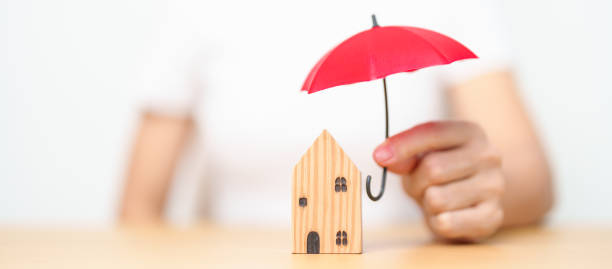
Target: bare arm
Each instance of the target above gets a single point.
(492, 102)
(157, 147)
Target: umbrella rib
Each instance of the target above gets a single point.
(370, 60)
(434, 48)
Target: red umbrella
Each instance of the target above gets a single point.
(379, 52)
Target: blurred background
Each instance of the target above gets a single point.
(68, 93)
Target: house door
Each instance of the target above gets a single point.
(312, 243)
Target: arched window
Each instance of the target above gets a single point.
(341, 238)
(340, 184)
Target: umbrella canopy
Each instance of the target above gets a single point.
(382, 51)
(379, 52)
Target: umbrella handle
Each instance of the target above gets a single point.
(384, 175)
(382, 186)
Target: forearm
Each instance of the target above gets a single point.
(529, 189)
(155, 152)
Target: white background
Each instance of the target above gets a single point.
(67, 111)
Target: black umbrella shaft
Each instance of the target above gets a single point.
(384, 175)
(386, 109)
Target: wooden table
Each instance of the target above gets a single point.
(213, 246)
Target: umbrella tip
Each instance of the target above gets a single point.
(374, 22)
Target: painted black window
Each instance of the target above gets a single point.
(341, 238)
(340, 184)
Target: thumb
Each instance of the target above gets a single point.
(386, 156)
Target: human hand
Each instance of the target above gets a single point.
(453, 173)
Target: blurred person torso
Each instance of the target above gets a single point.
(237, 68)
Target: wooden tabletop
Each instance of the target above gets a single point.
(214, 246)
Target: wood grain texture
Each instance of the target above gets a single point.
(327, 211)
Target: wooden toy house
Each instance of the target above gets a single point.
(326, 200)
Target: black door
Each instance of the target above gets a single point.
(312, 245)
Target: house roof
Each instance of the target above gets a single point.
(326, 145)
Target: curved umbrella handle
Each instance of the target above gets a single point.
(384, 175)
(382, 186)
